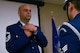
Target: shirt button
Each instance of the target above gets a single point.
(32, 47)
(17, 36)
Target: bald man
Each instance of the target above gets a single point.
(24, 37)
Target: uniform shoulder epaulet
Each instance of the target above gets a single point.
(73, 29)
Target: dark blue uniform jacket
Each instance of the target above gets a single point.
(69, 41)
(18, 42)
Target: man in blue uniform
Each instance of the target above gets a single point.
(69, 32)
(24, 37)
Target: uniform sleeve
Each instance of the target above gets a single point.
(15, 42)
(69, 42)
(41, 39)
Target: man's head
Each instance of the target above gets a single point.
(75, 2)
(24, 12)
(72, 7)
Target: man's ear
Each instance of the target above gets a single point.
(71, 6)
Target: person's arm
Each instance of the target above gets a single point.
(40, 38)
(15, 42)
(69, 42)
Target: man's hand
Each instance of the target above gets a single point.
(29, 28)
(28, 33)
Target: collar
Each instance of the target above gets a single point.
(22, 23)
(77, 16)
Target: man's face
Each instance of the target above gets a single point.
(25, 12)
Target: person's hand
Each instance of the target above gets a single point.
(28, 33)
(30, 27)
